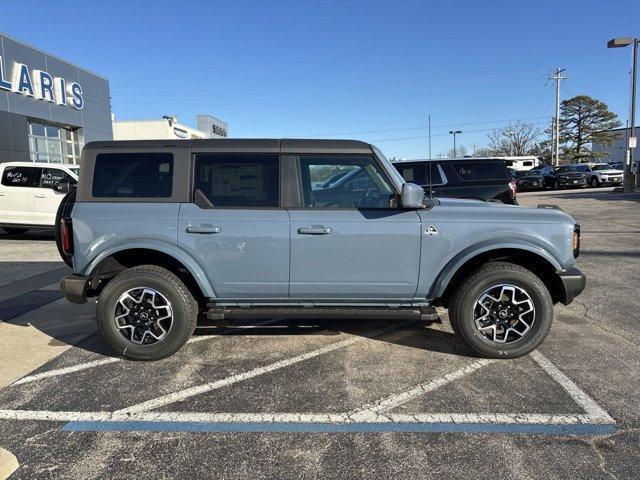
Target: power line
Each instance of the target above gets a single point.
(444, 134)
(416, 128)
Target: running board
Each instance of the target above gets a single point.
(427, 314)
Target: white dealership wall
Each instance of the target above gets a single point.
(169, 128)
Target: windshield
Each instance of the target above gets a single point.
(579, 168)
(602, 166)
(527, 173)
(392, 171)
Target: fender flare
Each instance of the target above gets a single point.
(164, 247)
(452, 267)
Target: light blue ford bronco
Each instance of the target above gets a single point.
(165, 232)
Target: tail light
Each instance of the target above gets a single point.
(576, 241)
(66, 235)
(513, 188)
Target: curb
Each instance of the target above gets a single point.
(8, 463)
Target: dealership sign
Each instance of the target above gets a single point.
(41, 85)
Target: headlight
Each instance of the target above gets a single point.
(576, 241)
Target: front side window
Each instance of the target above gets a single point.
(361, 183)
(228, 180)
(135, 175)
(420, 173)
(52, 177)
(19, 176)
(472, 171)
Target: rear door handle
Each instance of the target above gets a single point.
(39, 195)
(315, 230)
(204, 229)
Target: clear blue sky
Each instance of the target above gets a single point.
(330, 68)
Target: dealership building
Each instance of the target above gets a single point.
(49, 107)
(168, 128)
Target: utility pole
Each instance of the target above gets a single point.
(556, 142)
(454, 133)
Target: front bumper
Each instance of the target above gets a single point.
(573, 283)
(74, 288)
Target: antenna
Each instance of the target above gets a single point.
(429, 127)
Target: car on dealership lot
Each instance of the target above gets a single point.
(479, 178)
(569, 177)
(548, 175)
(30, 193)
(599, 174)
(164, 232)
(527, 180)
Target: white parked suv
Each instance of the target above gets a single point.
(599, 174)
(31, 192)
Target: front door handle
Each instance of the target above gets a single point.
(204, 229)
(39, 195)
(315, 230)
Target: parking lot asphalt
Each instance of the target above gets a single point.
(327, 399)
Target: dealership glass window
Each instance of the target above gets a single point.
(238, 180)
(52, 144)
(135, 175)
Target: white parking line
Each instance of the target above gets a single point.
(57, 372)
(207, 387)
(576, 393)
(64, 371)
(397, 399)
(193, 417)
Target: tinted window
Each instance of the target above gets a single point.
(19, 176)
(136, 175)
(579, 168)
(51, 177)
(361, 185)
(470, 171)
(238, 180)
(419, 173)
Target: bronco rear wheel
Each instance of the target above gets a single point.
(502, 310)
(146, 313)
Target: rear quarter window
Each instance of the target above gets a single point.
(133, 175)
(478, 171)
(14, 176)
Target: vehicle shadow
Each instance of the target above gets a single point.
(40, 234)
(417, 334)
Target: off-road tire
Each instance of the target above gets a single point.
(15, 230)
(463, 300)
(64, 211)
(184, 306)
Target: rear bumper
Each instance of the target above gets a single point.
(573, 282)
(74, 288)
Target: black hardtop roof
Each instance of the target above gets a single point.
(283, 145)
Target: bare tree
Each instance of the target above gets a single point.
(516, 139)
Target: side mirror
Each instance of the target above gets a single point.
(63, 187)
(412, 196)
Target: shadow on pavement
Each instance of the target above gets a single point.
(40, 234)
(414, 335)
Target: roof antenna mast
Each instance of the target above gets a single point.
(429, 128)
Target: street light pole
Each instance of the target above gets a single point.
(454, 133)
(629, 180)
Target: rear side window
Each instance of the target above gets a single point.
(134, 175)
(238, 180)
(473, 171)
(420, 173)
(20, 176)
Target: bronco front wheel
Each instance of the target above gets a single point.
(502, 310)
(146, 313)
